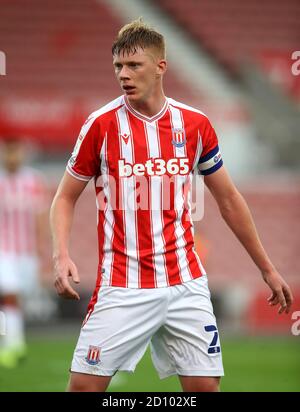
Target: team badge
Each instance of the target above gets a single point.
(179, 139)
(93, 356)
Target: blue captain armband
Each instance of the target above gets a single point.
(211, 162)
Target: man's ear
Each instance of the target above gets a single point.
(161, 67)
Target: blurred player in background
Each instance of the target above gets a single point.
(151, 285)
(23, 226)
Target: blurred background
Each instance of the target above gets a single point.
(235, 61)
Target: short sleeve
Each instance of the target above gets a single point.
(84, 163)
(210, 159)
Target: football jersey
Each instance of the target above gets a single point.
(142, 169)
(22, 197)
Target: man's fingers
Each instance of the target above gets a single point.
(272, 297)
(274, 300)
(288, 297)
(74, 274)
(71, 295)
(64, 289)
(282, 309)
(282, 301)
(58, 285)
(281, 293)
(285, 299)
(68, 292)
(64, 270)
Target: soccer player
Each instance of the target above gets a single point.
(23, 223)
(142, 150)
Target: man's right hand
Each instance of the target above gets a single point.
(63, 269)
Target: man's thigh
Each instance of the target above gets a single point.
(80, 382)
(188, 343)
(118, 331)
(200, 383)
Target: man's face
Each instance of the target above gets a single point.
(13, 156)
(139, 74)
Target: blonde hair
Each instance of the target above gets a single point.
(138, 34)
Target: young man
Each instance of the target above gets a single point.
(151, 285)
(23, 223)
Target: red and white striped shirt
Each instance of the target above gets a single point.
(22, 196)
(145, 232)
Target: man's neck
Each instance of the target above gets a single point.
(149, 107)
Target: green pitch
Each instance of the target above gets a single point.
(260, 364)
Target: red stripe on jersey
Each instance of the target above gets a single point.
(94, 298)
(100, 229)
(187, 225)
(169, 216)
(144, 226)
(186, 221)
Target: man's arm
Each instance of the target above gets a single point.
(236, 213)
(61, 216)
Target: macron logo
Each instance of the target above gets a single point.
(125, 137)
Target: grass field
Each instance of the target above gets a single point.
(260, 364)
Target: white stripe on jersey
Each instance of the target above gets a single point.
(156, 208)
(198, 151)
(177, 123)
(129, 201)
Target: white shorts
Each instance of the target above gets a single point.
(178, 322)
(18, 274)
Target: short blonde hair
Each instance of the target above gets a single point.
(138, 34)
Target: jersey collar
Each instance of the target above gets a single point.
(142, 116)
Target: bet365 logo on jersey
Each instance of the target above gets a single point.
(155, 167)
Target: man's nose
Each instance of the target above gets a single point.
(123, 74)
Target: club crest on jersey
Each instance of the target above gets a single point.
(93, 356)
(179, 139)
